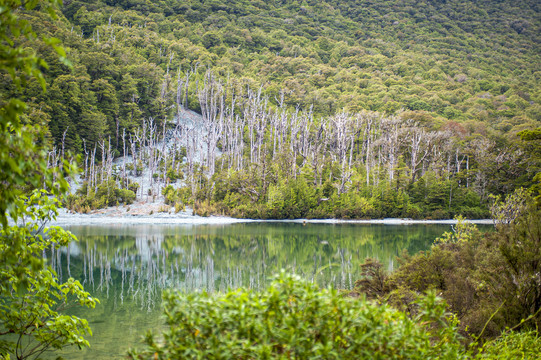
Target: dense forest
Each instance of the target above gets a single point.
(349, 109)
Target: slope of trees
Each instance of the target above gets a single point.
(464, 61)
(407, 107)
(249, 158)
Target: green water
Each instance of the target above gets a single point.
(127, 267)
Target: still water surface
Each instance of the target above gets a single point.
(128, 267)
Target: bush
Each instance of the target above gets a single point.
(491, 281)
(133, 186)
(204, 209)
(173, 175)
(513, 345)
(439, 214)
(107, 194)
(170, 195)
(179, 207)
(124, 196)
(293, 319)
(414, 211)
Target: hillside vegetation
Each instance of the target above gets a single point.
(344, 108)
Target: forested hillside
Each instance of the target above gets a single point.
(308, 109)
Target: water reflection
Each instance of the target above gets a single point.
(128, 267)
(138, 262)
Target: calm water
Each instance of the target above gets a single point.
(127, 267)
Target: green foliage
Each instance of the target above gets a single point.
(294, 319)
(530, 135)
(31, 298)
(326, 56)
(16, 60)
(532, 138)
(433, 60)
(172, 196)
(22, 158)
(512, 345)
(243, 195)
(124, 196)
(173, 175)
(291, 200)
(506, 211)
(490, 281)
(463, 231)
(106, 194)
(373, 279)
(133, 187)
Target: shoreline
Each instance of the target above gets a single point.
(184, 218)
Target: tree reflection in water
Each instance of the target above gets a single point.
(138, 262)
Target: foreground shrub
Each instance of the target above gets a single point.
(32, 298)
(514, 345)
(490, 281)
(292, 319)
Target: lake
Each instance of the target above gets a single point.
(128, 266)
